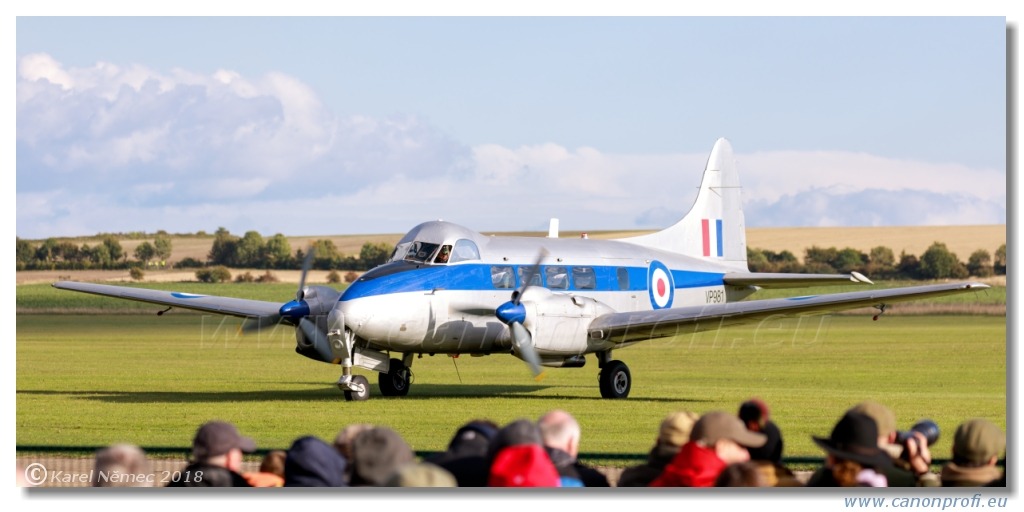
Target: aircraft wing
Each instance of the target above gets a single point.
(206, 303)
(631, 327)
(771, 280)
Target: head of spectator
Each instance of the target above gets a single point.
(515, 433)
(757, 418)
(726, 435)
(343, 441)
(217, 450)
(853, 455)
(378, 454)
(311, 462)
(423, 474)
(472, 439)
(741, 474)
(560, 431)
(523, 465)
(977, 445)
(885, 421)
(218, 443)
(122, 465)
(271, 473)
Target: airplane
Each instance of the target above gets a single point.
(548, 301)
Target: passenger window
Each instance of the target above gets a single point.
(443, 255)
(501, 277)
(533, 273)
(465, 250)
(583, 278)
(623, 275)
(557, 278)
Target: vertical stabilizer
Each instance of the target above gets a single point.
(713, 229)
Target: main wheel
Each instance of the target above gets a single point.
(615, 380)
(359, 397)
(396, 381)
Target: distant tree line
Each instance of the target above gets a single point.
(52, 254)
(937, 262)
(251, 250)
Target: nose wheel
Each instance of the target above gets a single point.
(615, 380)
(356, 389)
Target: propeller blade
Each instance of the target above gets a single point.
(317, 338)
(528, 276)
(307, 263)
(524, 344)
(252, 323)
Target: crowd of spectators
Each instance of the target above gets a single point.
(718, 448)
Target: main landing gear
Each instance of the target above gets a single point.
(614, 378)
(395, 381)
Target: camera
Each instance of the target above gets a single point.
(928, 428)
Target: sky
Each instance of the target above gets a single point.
(341, 125)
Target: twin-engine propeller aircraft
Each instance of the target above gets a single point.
(548, 301)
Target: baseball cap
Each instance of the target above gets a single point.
(717, 425)
(675, 428)
(217, 438)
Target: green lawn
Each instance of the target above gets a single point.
(99, 379)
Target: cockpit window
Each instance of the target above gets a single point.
(420, 251)
(400, 250)
(443, 255)
(465, 250)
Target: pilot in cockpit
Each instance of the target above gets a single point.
(443, 254)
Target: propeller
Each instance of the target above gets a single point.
(513, 314)
(293, 309)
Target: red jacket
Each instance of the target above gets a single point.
(693, 466)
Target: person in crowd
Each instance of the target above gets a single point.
(466, 456)
(977, 445)
(517, 458)
(757, 418)
(122, 465)
(271, 473)
(911, 461)
(561, 434)
(853, 458)
(717, 440)
(378, 454)
(423, 474)
(672, 435)
(343, 444)
(310, 462)
(217, 450)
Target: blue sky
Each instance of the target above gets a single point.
(350, 125)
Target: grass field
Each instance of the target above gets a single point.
(99, 379)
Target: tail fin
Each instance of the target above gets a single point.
(713, 229)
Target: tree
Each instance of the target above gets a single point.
(999, 265)
(372, 255)
(980, 263)
(47, 251)
(249, 250)
(326, 256)
(223, 250)
(757, 261)
(820, 258)
(145, 252)
(939, 263)
(277, 252)
(849, 260)
(217, 274)
(113, 248)
(162, 245)
(136, 274)
(26, 252)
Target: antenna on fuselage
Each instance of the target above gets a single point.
(553, 228)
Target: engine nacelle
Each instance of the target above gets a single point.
(320, 300)
(559, 322)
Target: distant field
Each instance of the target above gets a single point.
(962, 240)
(99, 379)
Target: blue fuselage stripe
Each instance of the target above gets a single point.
(477, 277)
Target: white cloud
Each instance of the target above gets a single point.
(134, 149)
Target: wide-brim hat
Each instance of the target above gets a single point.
(855, 438)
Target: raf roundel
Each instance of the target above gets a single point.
(660, 286)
